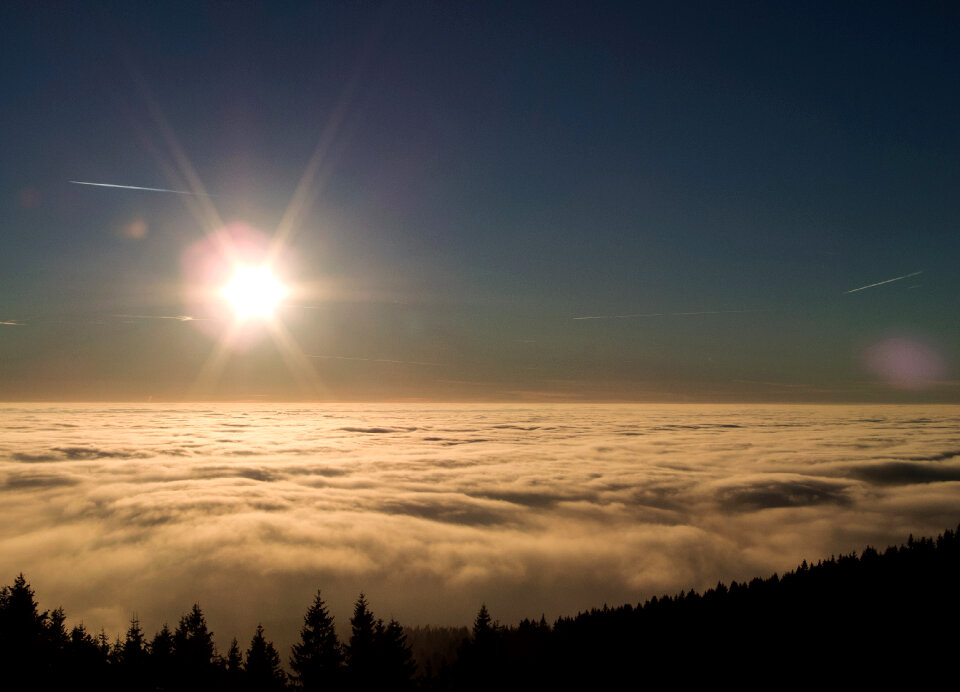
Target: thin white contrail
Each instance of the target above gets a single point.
(373, 360)
(665, 314)
(881, 283)
(180, 318)
(143, 189)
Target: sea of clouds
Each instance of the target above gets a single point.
(113, 511)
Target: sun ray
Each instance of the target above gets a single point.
(205, 383)
(251, 300)
(313, 178)
(297, 361)
(320, 165)
(182, 173)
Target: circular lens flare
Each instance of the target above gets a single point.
(253, 292)
(906, 362)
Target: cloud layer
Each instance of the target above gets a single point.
(433, 509)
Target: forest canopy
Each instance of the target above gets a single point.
(871, 616)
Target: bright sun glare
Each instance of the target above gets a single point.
(253, 292)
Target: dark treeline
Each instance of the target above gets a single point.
(38, 653)
(876, 618)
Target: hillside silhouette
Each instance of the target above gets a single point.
(885, 618)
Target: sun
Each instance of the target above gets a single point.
(253, 292)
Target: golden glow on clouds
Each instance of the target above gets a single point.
(432, 510)
(253, 292)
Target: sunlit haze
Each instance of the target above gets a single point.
(431, 510)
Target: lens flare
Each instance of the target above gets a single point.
(905, 362)
(253, 292)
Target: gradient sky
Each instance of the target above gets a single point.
(709, 181)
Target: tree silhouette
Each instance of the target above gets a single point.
(84, 660)
(378, 656)
(395, 665)
(161, 657)
(480, 662)
(262, 666)
(33, 644)
(116, 653)
(194, 655)
(22, 626)
(884, 610)
(134, 644)
(56, 647)
(234, 674)
(483, 624)
(56, 633)
(361, 651)
(134, 660)
(317, 659)
(161, 646)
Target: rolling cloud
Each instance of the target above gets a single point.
(431, 510)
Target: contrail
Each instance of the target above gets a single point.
(373, 360)
(881, 283)
(179, 318)
(665, 314)
(142, 189)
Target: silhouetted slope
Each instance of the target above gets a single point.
(874, 619)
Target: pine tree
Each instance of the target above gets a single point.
(116, 653)
(134, 644)
(54, 648)
(480, 661)
(161, 647)
(395, 665)
(482, 625)
(193, 654)
(134, 659)
(361, 654)
(103, 643)
(160, 651)
(234, 672)
(56, 632)
(79, 637)
(317, 659)
(263, 670)
(192, 641)
(23, 628)
(84, 660)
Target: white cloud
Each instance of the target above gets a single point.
(111, 510)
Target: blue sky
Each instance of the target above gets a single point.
(487, 173)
